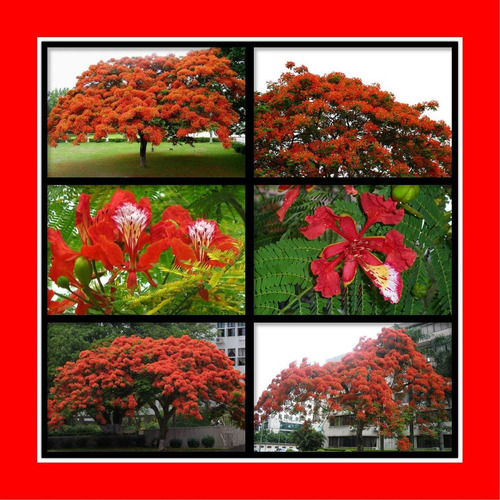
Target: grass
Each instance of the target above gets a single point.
(121, 159)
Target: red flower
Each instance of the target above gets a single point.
(351, 190)
(193, 241)
(289, 198)
(357, 249)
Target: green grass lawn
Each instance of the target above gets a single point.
(121, 159)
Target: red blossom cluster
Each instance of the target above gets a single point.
(357, 249)
(117, 238)
(333, 126)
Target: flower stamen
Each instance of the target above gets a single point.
(131, 221)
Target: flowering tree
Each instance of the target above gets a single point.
(311, 243)
(125, 259)
(150, 98)
(333, 126)
(172, 375)
(384, 383)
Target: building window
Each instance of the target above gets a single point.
(220, 325)
(241, 361)
(220, 333)
(241, 324)
(241, 351)
(342, 420)
(230, 332)
(241, 332)
(231, 353)
(231, 324)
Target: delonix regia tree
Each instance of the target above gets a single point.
(308, 125)
(149, 99)
(170, 376)
(384, 383)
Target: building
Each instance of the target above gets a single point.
(231, 339)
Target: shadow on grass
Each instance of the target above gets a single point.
(122, 160)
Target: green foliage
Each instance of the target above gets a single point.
(78, 430)
(175, 443)
(193, 443)
(284, 283)
(208, 441)
(53, 97)
(306, 438)
(178, 289)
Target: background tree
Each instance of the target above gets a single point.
(53, 97)
(333, 126)
(237, 56)
(150, 98)
(306, 438)
(173, 375)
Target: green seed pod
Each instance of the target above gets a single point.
(419, 290)
(404, 194)
(63, 282)
(83, 270)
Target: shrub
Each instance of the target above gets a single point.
(193, 443)
(175, 443)
(208, 441)
(238, 147)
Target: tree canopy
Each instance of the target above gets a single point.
(149, 99)
(308, 125)
(172, 375)
(385, 383)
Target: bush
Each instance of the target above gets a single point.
(77, 430)
(208, 441)
(176, 443)
(238, 147)
(193, 443)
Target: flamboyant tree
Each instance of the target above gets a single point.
(384, 383)
(150, 98)
(308, 125)
(170, 376)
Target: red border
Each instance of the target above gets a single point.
(476, 477)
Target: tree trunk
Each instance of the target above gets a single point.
(142, 151)
(382, 443)
(359, 436)
(412, 433)
(162, 442)
(441, 436)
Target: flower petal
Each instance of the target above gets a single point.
(323, 219)
(386, 279)
(183, 253)
(328, 281)
(289, 198)
(349, 272)
(83, 220)
(378, 209)
(398, 256)
(334, 249)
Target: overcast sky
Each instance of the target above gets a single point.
(277, 345)
(66, 64)
(412, 75)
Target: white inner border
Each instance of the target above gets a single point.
(457, 150)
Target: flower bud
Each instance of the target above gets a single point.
(419, 290)
(63, 282)
(405, 194)
(83, 270)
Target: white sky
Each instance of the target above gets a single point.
(66, 64)
(413, 75)
(277, 345)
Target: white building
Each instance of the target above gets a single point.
(231, 339)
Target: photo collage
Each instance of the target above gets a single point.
(194, 306)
